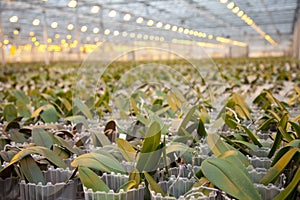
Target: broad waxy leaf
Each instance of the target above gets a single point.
(186, 120)
(10, 112)
(229, 178)
(91, 180)
(82, 107)
(99, 160)
(127, 186)
(47, 112)
(43, 151)
(42, 138)
(252, 136)
(154, 186)
(135, 175)
(126, 150)
(99, 138)
(275, 171)
(31, 170)
(217, 145)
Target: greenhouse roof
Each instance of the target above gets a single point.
(240, 22)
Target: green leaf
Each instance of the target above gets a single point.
(99, 139)
(47, 112)
(126, 150)
(31, 170)
(135, 175)
(152, 138)
(290, 188)
(201, 129)
(127, 186)
(266, 124)
(252, 136)
(229, 178)
(186, 120)
(178, 147)
(42, 138)
(10, 112)
(75, 119)
(61, 142)
(99, 160)
(91, 180)
(21, 96)
(154, 186)
(275, 145)
(82, 107)
(249, 145)
(16, 136)
(296, 127)
(43, 151)
(275, 171)
(149, 161)
(217, 145)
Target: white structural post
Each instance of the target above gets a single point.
(45, 34)
(296, 40)
(1, 38)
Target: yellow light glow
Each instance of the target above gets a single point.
(127, 17)
(63, 41)
(36, 22)
(70, 27)
(159, 25)
(96, 30)
(96, 39)
(156, 38)
(139, 20)
(195, 33)
(150, 22)
(240, 14)
(36, 43)
(31, 33)
(180, 29)
(69, 37)
(49, 40)
(210, 36)
(124, 34)
(191, 32)
(54, 25)
(139, 36)
(167, 26)
(245, 17)
(116, 33)
(112, 13)
(72, 4)
(14, 19)
(174, 28)
(146, 37)
(132, 35)
(57, 36)
(16, 32)
(6, 41)
(161, 39)
(33, 39)
(95, 9)
(235, 9)
(250, 22)
(106, 32)
(83, 29)
(151, 37)
(65, 45)
(230, 5)
(223, 1)
(186, 31)
(88, 39)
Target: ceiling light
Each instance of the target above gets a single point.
(116, 33)
(240, 13)
(69, 37)
(139, 20)
(96, 30)
(72, 4)
(31, 33)
(112, 13)
(107, 32)
(83, 29)
(124, 34)
(150, 22)
(70, 27)
(159, 25)
(180, 29)
(139, 36)
(132, 35)
(33, 39)
(230, 5)
(14, 19)
(49, 40)
(223, 1)
(57, 36)
(174, 28)
(127, 17)
(145, 37)
(16, 32)
(235, 9)
(95, 9)
(36, 22)
(167, 26)
(186, 31)
(54, 25)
